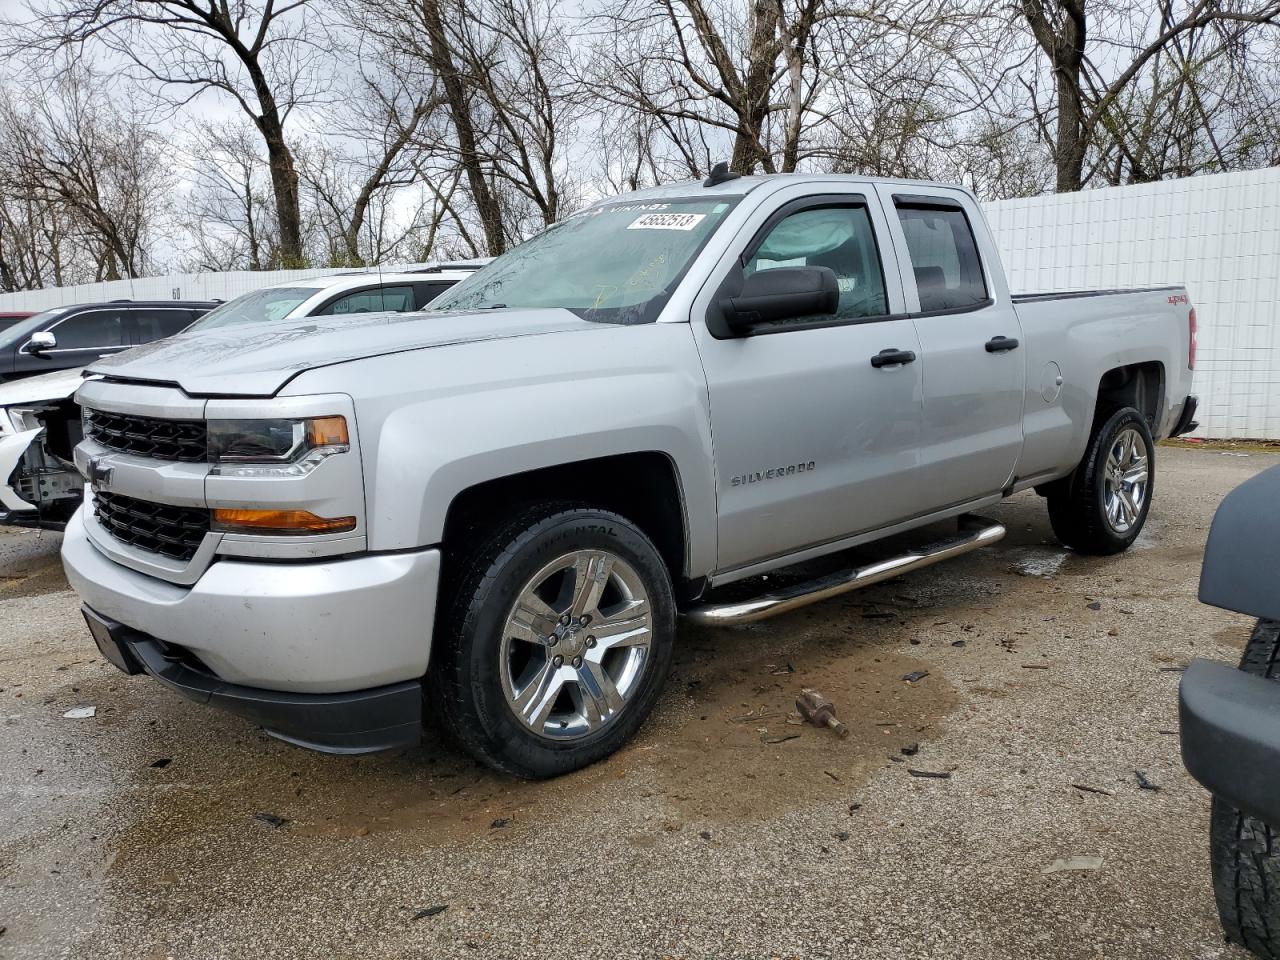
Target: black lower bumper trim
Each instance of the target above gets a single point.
(1231, 736)
(1187, 420)
(363, 721)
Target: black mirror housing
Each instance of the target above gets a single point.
(783, 293)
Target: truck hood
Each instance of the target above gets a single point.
(258, 359)
(58, 385)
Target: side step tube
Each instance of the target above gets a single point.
(974, 532)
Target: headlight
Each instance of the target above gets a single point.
(275, 448)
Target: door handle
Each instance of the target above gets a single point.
(892, 358)
(996, 344)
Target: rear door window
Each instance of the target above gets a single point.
(90, 330)
(944, 257)
(156, 324)
(398, 299)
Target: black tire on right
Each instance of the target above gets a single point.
(1245, 851)
(1077, 510)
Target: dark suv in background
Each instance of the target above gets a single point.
(67, 337)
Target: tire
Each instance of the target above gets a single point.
(1096, 511)
(494, 681)
(1245, 851)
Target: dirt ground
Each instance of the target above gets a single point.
(726, 829)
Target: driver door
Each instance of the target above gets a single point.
(812, 442)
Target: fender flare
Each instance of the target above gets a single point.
(1241, 569)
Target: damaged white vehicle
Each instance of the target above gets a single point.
(39, 428)
(39, 484)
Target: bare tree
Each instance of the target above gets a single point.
(268, 57)
(1089, 88)
(361, 168)
(73, 151)
(229, 213)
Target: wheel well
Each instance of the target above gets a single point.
(1138, 385)
(643, 487)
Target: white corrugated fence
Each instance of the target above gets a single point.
(1219, 235)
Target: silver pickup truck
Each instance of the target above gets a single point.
(495, 509)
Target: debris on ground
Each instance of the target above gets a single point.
(911, 749)
(1088, 789)
(161, 763)
(785, 668)
(957, 643)
(1095, 605)
(431, 911)
(271, 819)
(782, 738)
(915, 676)
(819, 711)
(930, 774)
(705, 834)
(1144, 783)
(1073, 863)
(1035, 666)
(499, 823)
(80, 713)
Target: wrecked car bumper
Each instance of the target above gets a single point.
(1231, 736)
(12, 449)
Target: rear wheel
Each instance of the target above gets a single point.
(1245, 851)
(1101, 508)
(557, 641)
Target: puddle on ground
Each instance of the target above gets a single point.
(725, 745)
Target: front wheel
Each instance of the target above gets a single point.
(557, 641)
(1102, 507)
(1245, 851)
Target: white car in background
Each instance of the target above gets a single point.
(39, 486)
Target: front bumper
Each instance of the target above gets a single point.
(328, 626)
(1231, 736)
(357, 722)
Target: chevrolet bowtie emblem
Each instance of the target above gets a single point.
(95, 472)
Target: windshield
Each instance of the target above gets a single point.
(270, 303)
(616, 263)
(24, 328)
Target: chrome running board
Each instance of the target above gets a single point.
(974, 532)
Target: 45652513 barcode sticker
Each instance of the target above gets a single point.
(667, 221)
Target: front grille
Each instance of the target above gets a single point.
(156, 527)
(182, 440)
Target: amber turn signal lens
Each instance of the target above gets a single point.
(280, 521)
(328, 431)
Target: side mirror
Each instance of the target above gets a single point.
(40, 342)
(783, 293)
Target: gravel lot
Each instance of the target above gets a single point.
(134, 833)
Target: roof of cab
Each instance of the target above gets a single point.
(741, 186)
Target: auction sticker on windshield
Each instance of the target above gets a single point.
(667, 221)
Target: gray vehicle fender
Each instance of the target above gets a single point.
(1241, 569)
(434, 423)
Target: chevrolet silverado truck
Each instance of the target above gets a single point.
(495, 510)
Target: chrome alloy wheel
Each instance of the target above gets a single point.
(575, 644)
(1127, 474)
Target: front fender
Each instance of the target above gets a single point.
(1241, 570)
(435, 423)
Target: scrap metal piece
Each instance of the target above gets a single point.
(819, 711)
